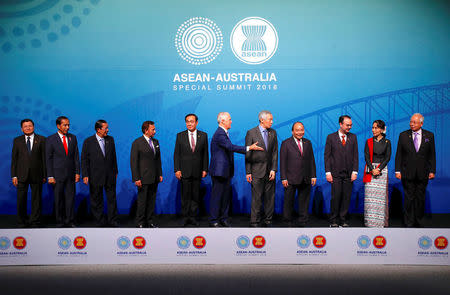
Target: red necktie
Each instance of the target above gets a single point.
(343, 140)
(300, 147)
(65, 145)
(192, 142)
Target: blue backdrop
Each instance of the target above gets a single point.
(119, 60)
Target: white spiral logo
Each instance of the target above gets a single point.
(199, 40)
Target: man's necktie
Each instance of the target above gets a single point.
(416, 141)
(102, 145)
(150, 142)
(343, 140)
(300, 147)
(265, 137)
(66, 148)
(192, 142)
(28, 145)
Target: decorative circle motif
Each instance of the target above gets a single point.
(64, 242)
(139, 242)
(183, 242)
(80, 242)
(441, 242)
(5, 243)
(123, 243)
(259, 242)
(425, 242)
(243, 242)
(199, 242)
(20, 243)
(319, 241)
(199, 40)
(364, 242)
(379, 242)
(303, 241)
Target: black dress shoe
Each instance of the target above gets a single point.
(140, 226)
(72, 225)
(215, 224)
(268, 224)
(225, 223)
(152, 225)
(334, 225)
(195, 222)
(345, 224)
(254, 225)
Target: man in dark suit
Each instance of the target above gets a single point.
(190, 160)
(415, 164)
(260, 167)
(99, 167)
(221, 170)
(146, 171)
(28, 169)
(63, 170)
(341, 167)
(298, 173)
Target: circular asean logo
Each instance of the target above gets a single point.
(139, 242)
(243, 242)
(441, 242)
(425, 242)
(183, 242)
(5, 243)
(199, 40)
(254, 40)
(64, 242)
(259, 242)
(199, 242)
(80, 242)
(319, 241)
(19, 243)
(379, 242)
(123, 243)
(303, 241)
(363, 242)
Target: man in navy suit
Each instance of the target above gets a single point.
(221, 170)
(415, 164)
(99, 167)
(28, 169)
(63, 170)
(341, 167)
(298, 173)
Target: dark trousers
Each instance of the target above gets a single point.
(64, 191)
(414, 201)
(341, 192)
(96, 197)
(219, 203)
(303, 192)
(146, 199)
(190, 197)
(263, 192)
(36, 201)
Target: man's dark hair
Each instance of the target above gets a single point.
(296, 123)
(60, 118)
(99, 124)
(188, 115)
(146, 124)
(341, 118)
(24, 121)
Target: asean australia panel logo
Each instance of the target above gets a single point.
(199, 40)
(254, 40)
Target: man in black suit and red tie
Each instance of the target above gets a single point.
(63, 171)
(190, 160)
(415, 164)
(28, 169)
(341, 168)
(99, 167)
(146, 171)
(298, 174)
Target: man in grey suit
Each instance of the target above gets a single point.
(261, 167)
(146, 172)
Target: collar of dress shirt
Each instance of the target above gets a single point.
(61, 135)
(342, 134)
(419, 132)
(226, 131)
(194, 132)
(98, 137)
(297, 140)
(147, 138)
(31, 137)
(261, 129)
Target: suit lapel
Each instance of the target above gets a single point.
(99, 149)
(411, 140)
(295, 146)
(422, 141)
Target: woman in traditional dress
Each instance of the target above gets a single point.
(377, 154)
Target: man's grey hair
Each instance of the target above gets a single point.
(263, 115)
(221, 116)
(421, 118)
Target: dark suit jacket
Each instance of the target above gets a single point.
(411, 163)
(294, 167)
(28, 167)
(100, 169)
(191, 164)
(338, 158)
(222, 154)
(59, 165)
(145, 165)
(260, 163)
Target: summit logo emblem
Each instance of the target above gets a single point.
(254, 40)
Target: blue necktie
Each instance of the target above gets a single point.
(265, 137)
(28, 145)
(150, 142)
(102, 145)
